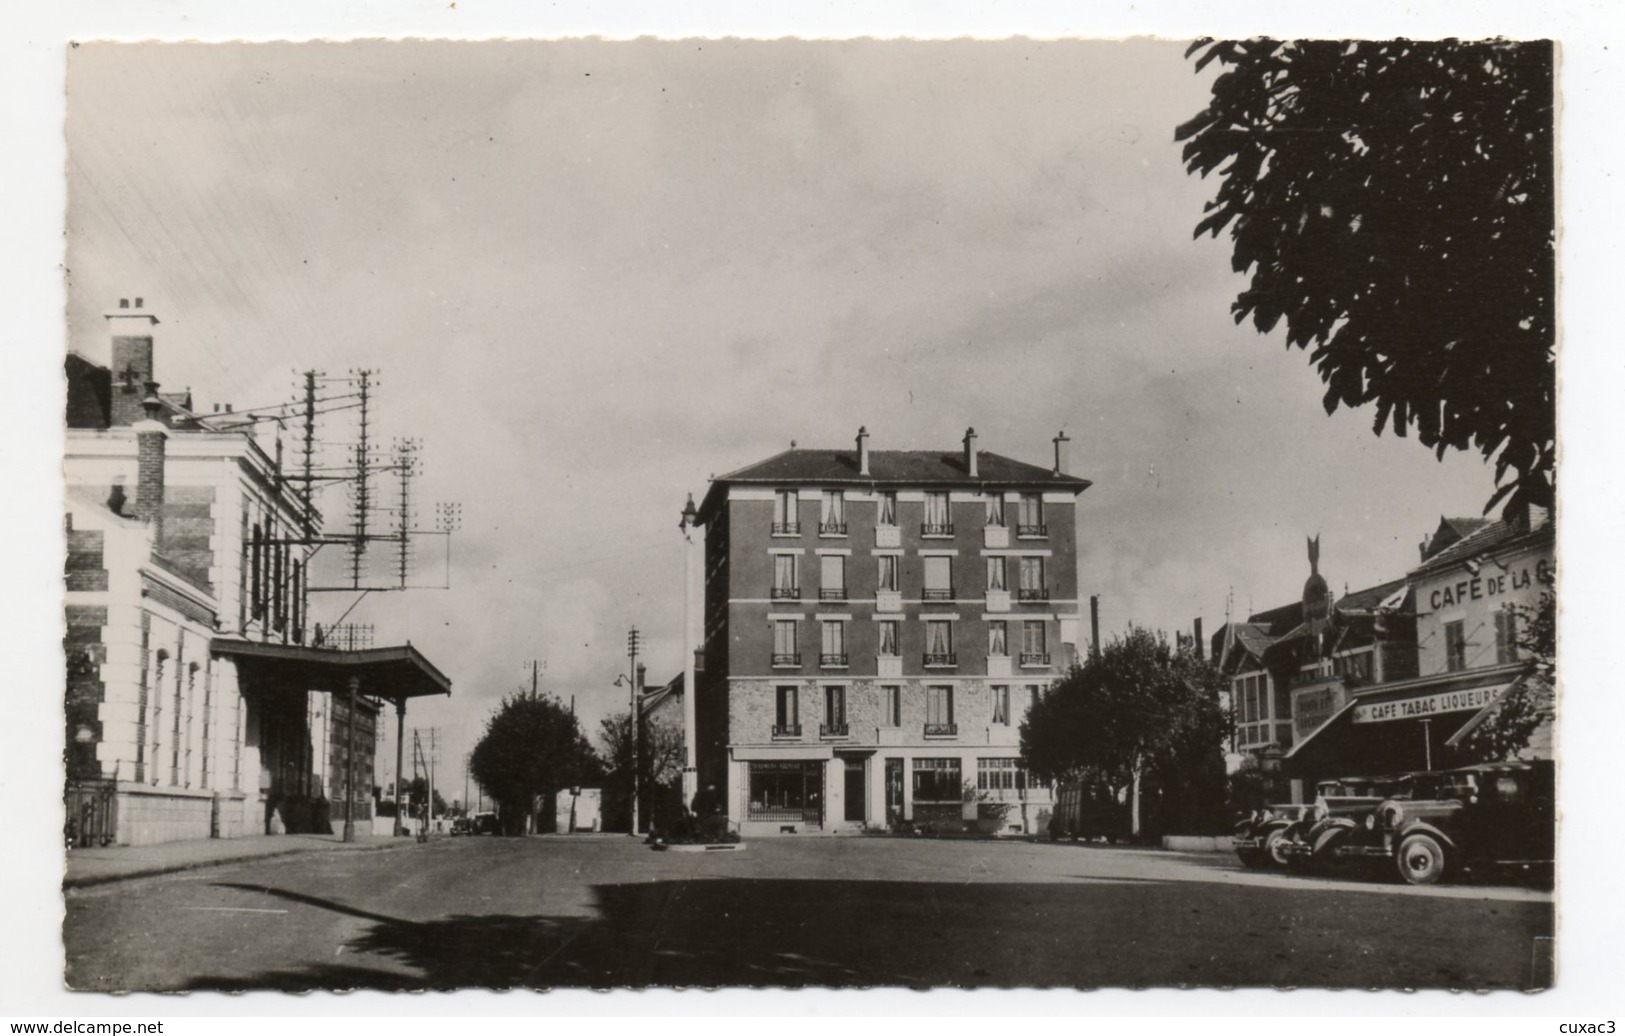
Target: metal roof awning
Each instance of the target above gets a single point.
(1333, 718)
(395, 673)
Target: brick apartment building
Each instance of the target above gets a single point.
(1391, 678)
(876, 623)
(198, 703)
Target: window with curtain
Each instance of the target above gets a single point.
(1001, 705)
(834, 645)
(888, 637)
(784, 637)
(887, 579)
(1032, 579)
(939, 705)
(995, 573)
(784, 510)
(832, 576)
(834, 511)
(892, 702)
(835, 706)
(784, 575)
(1032, 637)
(1032, 513)
(936, 514)
(888, 508)
(995, 509)
(788, 713)
(939, 640)
(996, 642)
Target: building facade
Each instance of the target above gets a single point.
(197, 704)
(876, 624)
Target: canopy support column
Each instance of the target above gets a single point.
(349, 765)
(400, 757)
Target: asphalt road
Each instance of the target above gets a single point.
(608, 912)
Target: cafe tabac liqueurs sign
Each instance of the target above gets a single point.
(1432, 705)
(1489, 585)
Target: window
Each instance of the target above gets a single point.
(1001, 705)
(996, 642)
(785, 584)
(936, 516)
(888, 637)
(995, 573)
(1455, 646)
(833, 651)
(891, 701)
(1282, 697)
(784, 513)
(835, 709)
(995, 509)
(833, 519)
(939, 642)
(1506, 636)
(888, 508)
(787, 718)
(1032, 580)
(939, 578)
(784, 642)
(939, 710)
(1034, 692)
(785, 790)
(832, 578)
(999, 775)
(1030, 521)
(937, 780)
(1033, 648)
(887, 578)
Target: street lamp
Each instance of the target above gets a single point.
(691, 776)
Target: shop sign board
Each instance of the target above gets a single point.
(1430, 705)
(1314, 706)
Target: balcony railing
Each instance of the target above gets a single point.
(941, 658)
(786, 593)
(837, 593)
(1033, 593)
(832, 528)
(833, 730)
(937, 594)
(787, 730)
(787, 528)
(1035, 658)
(1032, 531)
(786, 661)
(832, 660)
(936, 529)
(942, 730)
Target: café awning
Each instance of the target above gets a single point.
(395, 673)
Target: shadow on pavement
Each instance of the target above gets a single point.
(792, 933)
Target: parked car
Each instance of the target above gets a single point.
(1473, 819)
(1338, 817)
(462, 826)
(1261, 838)
(484, 824)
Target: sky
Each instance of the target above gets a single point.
(590, 275)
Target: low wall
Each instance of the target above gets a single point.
(149, 816)
(1199, 843)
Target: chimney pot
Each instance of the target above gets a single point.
(123, 303)
(138, 302)
(1060, 452)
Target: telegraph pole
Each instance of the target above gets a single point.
(691, 773)
(632, 721)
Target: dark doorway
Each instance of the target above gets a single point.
(854, 790)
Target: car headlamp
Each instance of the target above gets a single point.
(1322, 811)
(1393, 815)
(1371, 821)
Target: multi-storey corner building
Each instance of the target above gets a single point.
(877, 623)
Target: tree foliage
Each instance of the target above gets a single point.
(1393, 203)
(1529, 704)
(532, 746)
(1139, 709)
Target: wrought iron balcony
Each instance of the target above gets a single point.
(1032, 531)
(936, 529)
(787, 730)
(835, 593)
(832, 528)
(1033, 593)
(942, 730)
(786, 661)
(786, 593)
(1035, 658)
(787, 528)
(832, 660)
(941, 658)
(936, 594)
(833, 730)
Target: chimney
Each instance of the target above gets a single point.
(131, 365)
(149, 484)
(970, 451)
(642, 678)
(863, 451)
(1060, 452)
(1196, 632)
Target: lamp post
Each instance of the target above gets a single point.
(691, 776)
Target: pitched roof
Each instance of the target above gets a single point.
(1451, 530)
(1488, 537)
(1369, 598)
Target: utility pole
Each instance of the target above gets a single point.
(691, 773)
(632, 721)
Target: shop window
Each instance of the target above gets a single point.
(999, 775)
(937, 780)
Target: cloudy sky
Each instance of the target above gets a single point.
(593, 274)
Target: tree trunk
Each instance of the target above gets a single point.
(1134, 800)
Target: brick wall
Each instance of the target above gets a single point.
(85, 691)
(188, 526)
(86, 567)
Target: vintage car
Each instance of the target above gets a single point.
(1338, 817)
(1262, 837)
(1475, 819)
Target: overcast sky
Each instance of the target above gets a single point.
(593, 274)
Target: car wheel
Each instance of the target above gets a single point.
(1421, 859)
(1275, 848)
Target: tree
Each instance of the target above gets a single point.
(1393, 202)
(661, 754)
(1137, 710)
(418, 789)
(1530, 703)
(532, 746)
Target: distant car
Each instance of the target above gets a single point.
(484, 824)
(462, 826)
(1482, 818)
(1261, 838)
